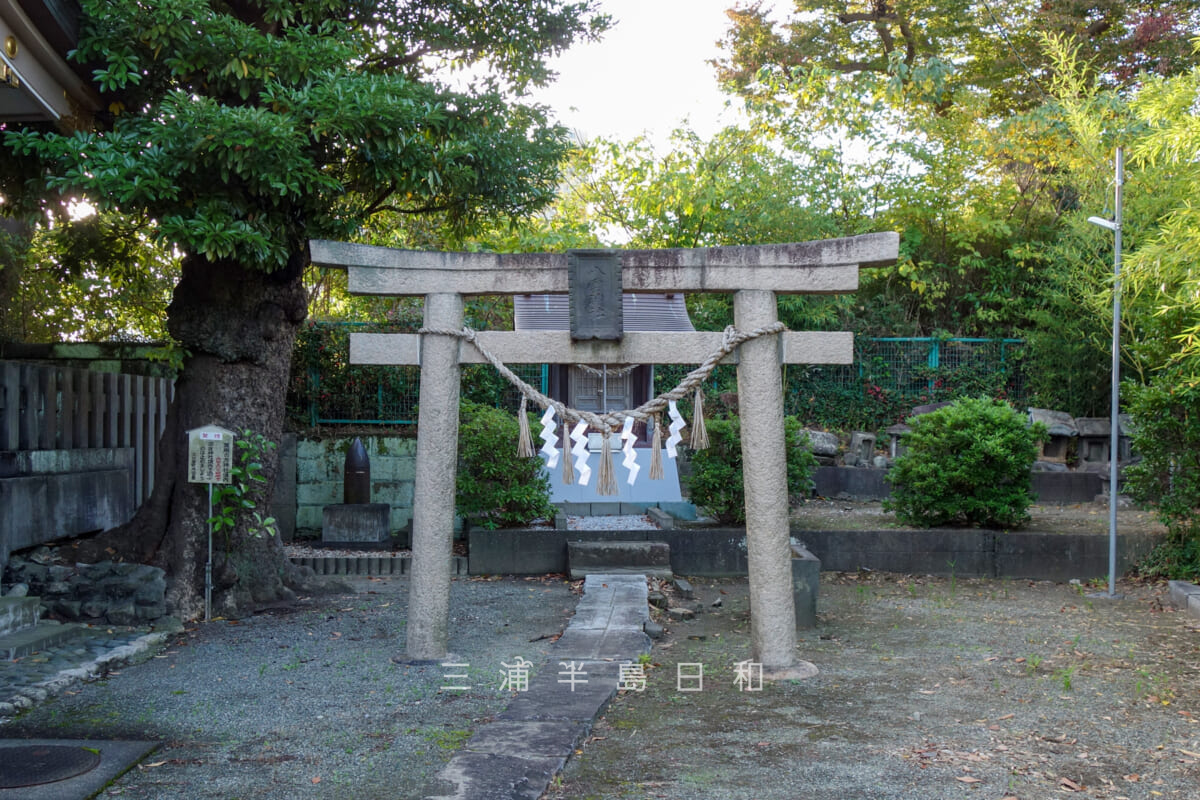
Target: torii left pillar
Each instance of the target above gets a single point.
(437, 454)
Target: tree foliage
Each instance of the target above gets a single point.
(246, 129)
(968, 462)
(1167, 436)
(717, 482)
(943, 52)
(239, 131)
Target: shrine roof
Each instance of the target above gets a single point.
(642, 312)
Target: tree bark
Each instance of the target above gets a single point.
(238, 326)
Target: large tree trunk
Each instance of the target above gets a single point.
(238, 327)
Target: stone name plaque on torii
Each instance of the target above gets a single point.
(596, 310)
(753, 274)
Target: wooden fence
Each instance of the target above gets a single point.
(44, 407)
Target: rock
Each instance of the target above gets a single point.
(122, 612)
(7, 709)
(717, 603)
(657, 599)
(168, 625)
(58, 572)
(684, 588)
(881, 462)
(150, 591)
(1058, 423)
(674, 612)
(68, 609)
(1048, 466)
(150, 610)
(823, 443)
(653, 629)
(56, 587)
(18, 590)
(41, 555)
(94, 607)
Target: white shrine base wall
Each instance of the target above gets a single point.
(644, 491)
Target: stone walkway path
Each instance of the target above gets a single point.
(517, 756)
(48, 672)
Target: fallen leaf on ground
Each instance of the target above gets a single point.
(968, 779)
(1067, 783)
(316, 779)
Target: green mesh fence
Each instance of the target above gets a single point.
(888, 377)
(326, 389)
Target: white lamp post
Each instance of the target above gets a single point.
(1114, 225)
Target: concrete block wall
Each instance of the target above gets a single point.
(320, 466)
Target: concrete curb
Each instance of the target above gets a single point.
(517, 756)
(1185, 596)
(369, 565)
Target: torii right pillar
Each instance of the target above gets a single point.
(764, 471)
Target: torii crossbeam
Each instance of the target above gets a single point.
(753, 274)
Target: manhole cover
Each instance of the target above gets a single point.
(30, 765)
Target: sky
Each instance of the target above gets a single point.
(647, 74)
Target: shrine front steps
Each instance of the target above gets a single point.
(652, 559)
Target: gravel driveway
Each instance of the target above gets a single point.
(928, 688)
(306, 702)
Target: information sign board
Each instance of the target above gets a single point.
(210, 454)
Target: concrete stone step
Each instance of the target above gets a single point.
(619, 558)
(31, 640)
(18, 613)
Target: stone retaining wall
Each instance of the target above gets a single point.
(107, 592)
(320, 468)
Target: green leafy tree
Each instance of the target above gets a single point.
(717, 484)
(967, 463)
(1166, 434)
(244, 129)
(941, 52)
(494, 484)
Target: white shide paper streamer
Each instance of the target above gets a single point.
(630, 462)
(677, 424)
(549, 437)
(580, 451)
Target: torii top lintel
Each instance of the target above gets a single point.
(821, 267)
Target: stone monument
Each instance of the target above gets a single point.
(356, 521)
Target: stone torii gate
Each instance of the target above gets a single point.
(753, 274)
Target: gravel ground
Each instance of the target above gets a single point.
(305, 702)
(928, 688)
(626, 522)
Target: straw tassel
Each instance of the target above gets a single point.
(524, 438)
(656, 467)
(568, 465)
(699, 434)
(606, 479)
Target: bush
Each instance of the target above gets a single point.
(716, 482)
(1166, 416)
(493, 482)
(966, 463)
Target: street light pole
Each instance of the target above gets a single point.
(1114, 225)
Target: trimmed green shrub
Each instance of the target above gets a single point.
(1166, 416)
(968, 463)
(495, 484)
(716, 481)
